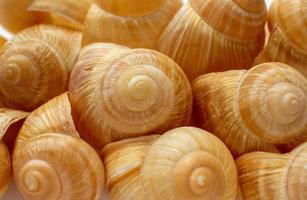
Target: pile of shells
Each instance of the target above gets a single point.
(159, 99)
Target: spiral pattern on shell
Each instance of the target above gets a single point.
(190, 164)
(272, 102)
(122, 93)
(36, 65)
(57, 166)
(5, 168)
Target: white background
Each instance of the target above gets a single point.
(12, 193)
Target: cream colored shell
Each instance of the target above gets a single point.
(50, 161)
(134, 23)
(117, 92)
(269, 176)
(252, 110)
(36, 65)
(184, 163)
(209, 36)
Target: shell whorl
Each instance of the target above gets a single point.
(239, 19)
(131, 8)
(272, 102)
(5, 168)
(291, 18)
(34, 67)
(132, 92)
(57, 166)
(190, 164)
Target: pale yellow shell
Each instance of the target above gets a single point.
(287, 43)
(14, 15)
(123, 161)
(269, 176)
(210, 36)
(134, 23)
(252, 110)
(50, 161)
(5, 168)
(184, 163)
(36, 65)
(117, 92)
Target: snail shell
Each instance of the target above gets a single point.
(123, 161)
(203, 32)
(252, 110)
(189, 163)
(50, 161)
(15, 17)
(270, 176)
(287, 43)
(184, 163)
(36, 65)
(134, 23)
(117, 92)
(5, 168)
(64, 12)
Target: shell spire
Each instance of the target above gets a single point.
(117, 92)
(203, 32)
(258, 108)
(133, 23)
(271, 176)
(36, 65)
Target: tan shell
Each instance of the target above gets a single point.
(123, 161)
(5, 168)
(269, 176)
(134, 23)
(210, 36)
(189, 163)
(50, 161)
(36, 65)
(70, 13)
(184, 163)
(14, 15)
(117, 93)
(249, 110)
(287, 43)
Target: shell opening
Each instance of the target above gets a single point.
(285, 102)
(36, 176)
